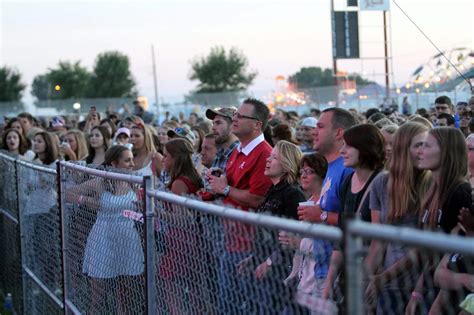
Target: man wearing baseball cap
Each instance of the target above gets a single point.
(307, 127)
(226, 141)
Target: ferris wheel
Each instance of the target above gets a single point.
(438, 70)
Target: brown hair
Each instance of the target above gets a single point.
(181, 150)
(317, 162)
(113, 154)
(106, 135)
(371, 145)
(51, 149)
(283, 132)
(406, 185)
(23, 145)
(453, 170)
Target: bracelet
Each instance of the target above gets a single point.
(417, 296)
(81, 197)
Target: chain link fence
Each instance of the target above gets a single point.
(123, 247)
(40, 223)
(10, 258)
(408, 270)
(104, 240)
(217, 260)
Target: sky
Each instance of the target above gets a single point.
(277, 36)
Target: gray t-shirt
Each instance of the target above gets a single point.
(379, 200)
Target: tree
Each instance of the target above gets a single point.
(111, 76)
(311, 77)
(221, 71)
(11, 87)
(41, 87)
(68, 80)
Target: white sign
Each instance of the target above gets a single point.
(374, 5)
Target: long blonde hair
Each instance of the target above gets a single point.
(147, 137)
(290, 158)
(453, 170)
(81, 152)
(406, 184)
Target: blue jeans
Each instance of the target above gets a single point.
(235, 289)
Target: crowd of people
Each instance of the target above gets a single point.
(385, 167)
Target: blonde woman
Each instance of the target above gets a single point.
(74, 145)
(274, 262)
(395, 198)
(143, 149)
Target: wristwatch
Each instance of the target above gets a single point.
(268, 262)
(226, 190)
(324, 216)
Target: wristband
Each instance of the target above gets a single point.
(417, 296)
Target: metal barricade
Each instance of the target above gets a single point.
(104, 240)
(217, 260)
(403, 256)
(40, 223)
(96, 241)
(10, 252)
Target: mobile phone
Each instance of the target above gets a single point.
(216, 172)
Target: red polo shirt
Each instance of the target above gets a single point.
(244, 171)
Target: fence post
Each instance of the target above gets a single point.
(354, 270)
(20, 237)
(150, 261)
(62, 222)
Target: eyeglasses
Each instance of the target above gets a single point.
(240, 116)
(307, 171)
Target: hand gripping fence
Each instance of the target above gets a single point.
(88, 241)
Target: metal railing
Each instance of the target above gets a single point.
(97, 241)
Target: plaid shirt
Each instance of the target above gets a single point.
(222, 155)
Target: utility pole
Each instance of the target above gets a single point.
(387, 73)
(334, 59)
(155, 82)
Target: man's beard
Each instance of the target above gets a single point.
(220, 140)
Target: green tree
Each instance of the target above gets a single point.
(11, 87)
(310, 77)
(111, 76)
(41, 87)
(221, 71)
(68, 80)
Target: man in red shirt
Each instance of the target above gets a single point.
(244, 187)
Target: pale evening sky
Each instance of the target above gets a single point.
(278, 37)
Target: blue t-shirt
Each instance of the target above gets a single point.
(332, 183)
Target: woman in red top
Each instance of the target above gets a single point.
(179, 265)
